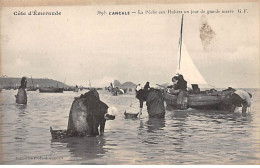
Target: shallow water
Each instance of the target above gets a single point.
(191, 137)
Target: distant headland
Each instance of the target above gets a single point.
(14, 82)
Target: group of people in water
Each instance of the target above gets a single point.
(238, 98)
(117, 91)
(88, 112)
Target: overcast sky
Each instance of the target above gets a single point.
(80, 45)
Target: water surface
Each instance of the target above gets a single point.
(192, 137)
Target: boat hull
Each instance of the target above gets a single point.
(31, 89)
(51, 90)
(76, 90)
(209, 101)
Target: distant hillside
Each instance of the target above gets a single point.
(13, 82)
(124, 85)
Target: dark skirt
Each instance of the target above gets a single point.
(161, 115)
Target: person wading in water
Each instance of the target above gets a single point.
(240, 98)
(179, 88)
(154, 102)
(21, 97)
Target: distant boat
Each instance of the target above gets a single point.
(211, 99)
(32, 88)
(50, 90)
(68, 89)
(76, 89)
(81, 88)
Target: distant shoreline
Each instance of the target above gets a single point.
(13, 82)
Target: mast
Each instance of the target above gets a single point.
(180, 42)
(32, 81)
(186, 66)
(64, 81)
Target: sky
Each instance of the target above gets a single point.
(80, 45)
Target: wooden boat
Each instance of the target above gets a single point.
(211, 99)
(68, 89)
(50, 90)
(219, 100)
(31, 89)
(59, 134)
(130, 115)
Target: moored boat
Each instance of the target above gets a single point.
(217, 100)
(194, 98)
(31, 89)
(50, 90)
(76, 89)
(68, 89)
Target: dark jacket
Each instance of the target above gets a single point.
(141, 95)
(94, 110)
(181, 84)
(154, 102)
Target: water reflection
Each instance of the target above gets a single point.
(178, 114)
(86, 148)
(189, 137)
(154, 124)
(22, 122)
(219, 118)
(152, 132)
(20, 107)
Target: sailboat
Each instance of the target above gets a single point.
(210, 99)
(32, 88)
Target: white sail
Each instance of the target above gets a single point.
(187, 68)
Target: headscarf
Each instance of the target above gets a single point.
(23, 82)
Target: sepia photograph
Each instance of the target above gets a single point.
(130, 83)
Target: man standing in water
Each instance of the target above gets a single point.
(240, 98)
(182, 86)
(179, 88)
